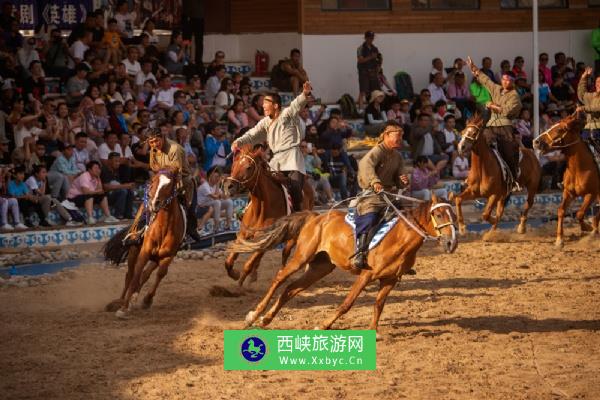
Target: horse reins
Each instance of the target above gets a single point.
(255, 174)
(552, 140)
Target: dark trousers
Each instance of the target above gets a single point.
(28, 207)
(121, 200)
(296, 184)
(195, 27)
(80, 199)
(507, 146)
(365, 222)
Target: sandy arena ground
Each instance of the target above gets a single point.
(511, 318)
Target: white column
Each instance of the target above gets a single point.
(536, 71)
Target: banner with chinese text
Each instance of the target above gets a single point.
(63, 13)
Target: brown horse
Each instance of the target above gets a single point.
(485, 177)
(326, 241)
(267, 203)
(162, 239)
(581, 177)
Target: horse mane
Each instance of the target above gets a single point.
(476, 120)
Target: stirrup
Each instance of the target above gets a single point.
(516, 187)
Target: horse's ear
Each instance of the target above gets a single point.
(434, 198)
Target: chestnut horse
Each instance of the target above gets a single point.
(267, 204)
(164, 234)
(326, 241)
(485, 177)
(581, 177)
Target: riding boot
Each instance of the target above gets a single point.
(296, 184)
(192, 226)
(360, 259)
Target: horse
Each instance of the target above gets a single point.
(485, 177)
(165, 231)
(268, 203)
(581, 177)
(325, 241)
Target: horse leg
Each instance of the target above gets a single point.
(233, 274)
(587, 201)
(596, 219)
(314, 272)
(250, 265)
(458, 199)
(522, 228)
(163, 268)
(116, 304)
(294, 265)
(499, 210)
(287, 250)
(564, 205)
(133, 286)
(385, 287)
(363, 280)
(487, 211)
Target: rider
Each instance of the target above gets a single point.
(591, 105)
(380, 169)
(165, 153)
(280, 129)
(504, 107)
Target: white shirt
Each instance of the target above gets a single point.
(81, 158)
(32, 183)
(78, 48)
(132, 67)
(127, 153)
(213, 84)
(450, 138)
(203, 192)
(223, 102)
(437, 93)
(140, 78)
(166, 96)
(125, 23)
(460, 168)
(21, 134)
(104, 150)
(427, 145)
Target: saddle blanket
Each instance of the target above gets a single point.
(381, 231)
(504, 167)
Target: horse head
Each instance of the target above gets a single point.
(442, 223)
(245, 171)
(470, 134)
(162, 188)
(561, 135)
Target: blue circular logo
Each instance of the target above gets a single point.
(253, 349)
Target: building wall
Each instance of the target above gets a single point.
(242, 47)
(330, 60)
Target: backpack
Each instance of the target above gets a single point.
(404, 86)
(348, 106)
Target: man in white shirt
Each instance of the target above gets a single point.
(131, 62)
(78, 49)
(436, 88)
(213, 84)
(165, 96)
(111, 145)
(80, 152)
(145, 74)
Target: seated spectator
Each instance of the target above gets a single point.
(289, 75)
(78, 49)
(523, 128)
(545, 94)
(553, 163)
(504, 69)
(448, 137)
(335, 134)
(245, 92)
(459, 93)
(518, 70)
(237, 118)
(423, 180)
(424, 144)
(178, 55)
(146, 94)
(117, 187)
(338, 170)
(224, 99)
(216, 147)
(25, 56)
(375, 116)
(80, 151)
(97, 123)
(8, 202)
(481, 95)
(213, 84)
(210, 195)
(77, 86)
(38, 186)
(543, 68)
(215, 65)
(144, 74)
(436, 88)
(86, 190)
(165, 96)
(318, 180)
(460, 167)
(562, 91)
(524, 90)
(28, 202)
(457, 68)
(395, 112)
(117, 121)
(34, 86)
(437, 67)
(110, 145)
(255, 111)
(65, 164)
(57, 55)
(486, 68)
(148, 30)
(203, 213)
(312, 136)
(132, 65)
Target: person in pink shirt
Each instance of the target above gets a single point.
(86, 190)
(544, 70)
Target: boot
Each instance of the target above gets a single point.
(360, 259)
(192, 226)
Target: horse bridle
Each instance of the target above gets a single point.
(466, 134)
(161, 204)
(558, 139)
(255, 174)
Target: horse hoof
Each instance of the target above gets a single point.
(462, 229)
(251, 317)
(133, 302)
(233, 274)
(586, 228)
(521, 229)
(114, 305)
(120, 314)
(378, 337)
(147, 303)
(559, 243)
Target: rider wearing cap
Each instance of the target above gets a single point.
(280, 129)
(380, 169)
(504, 107)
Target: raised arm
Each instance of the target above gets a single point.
(299, 102)
(581, 87)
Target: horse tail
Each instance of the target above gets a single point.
(282, 230)
(114, 250)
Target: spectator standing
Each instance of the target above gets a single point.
(192, 12)
(57, 55)
(367, 65)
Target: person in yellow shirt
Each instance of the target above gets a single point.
(112, 43)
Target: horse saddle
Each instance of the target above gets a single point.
(506, 174)
(284, 181)
(378, 231)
